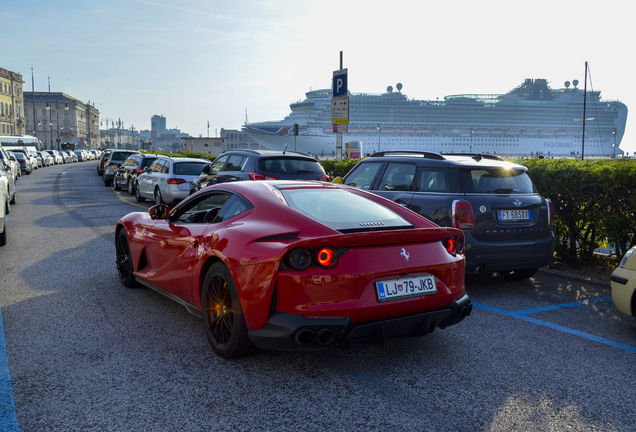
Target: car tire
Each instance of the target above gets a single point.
(223, 317)
(3, 236)
(138, 196)
(13, 199)
(115, 185)
(520, 274)
(106, 182)
(131, 187)
(158, 198)
(124, 261)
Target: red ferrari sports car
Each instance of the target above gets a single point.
(296, 265)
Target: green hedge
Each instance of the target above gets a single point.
(594, 201)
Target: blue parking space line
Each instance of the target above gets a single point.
(565, 305)
(8, 418)
(522, 316)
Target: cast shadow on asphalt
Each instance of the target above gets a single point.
(84, 351)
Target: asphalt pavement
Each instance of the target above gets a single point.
(86, 354)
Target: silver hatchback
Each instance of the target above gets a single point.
(168, 179)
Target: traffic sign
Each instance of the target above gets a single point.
(340, 110)
(340, 82)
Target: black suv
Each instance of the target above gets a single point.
(126, 174)
(507, 224)
(237, 165)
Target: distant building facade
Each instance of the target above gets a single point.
(12, 121)
(205, 145)
(237, 139)
(60, 118)
(157, 126)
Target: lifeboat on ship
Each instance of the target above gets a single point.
(496, 131)
(546, 132)
(407, 130)
(512, 131)
(422, 130)
(370, 129)
(354, 129)
(388, 130)
(562, 132)
(529, 131)
(481, 131)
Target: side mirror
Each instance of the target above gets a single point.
(119, 164)
(147, 170)
(160, 211)
(206, 169)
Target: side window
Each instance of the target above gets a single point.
(218, 163)
(362, 176)
(165, 166)
(235, 163)
(203, 210)
(398, 177)
(155, 167)
(234, 207)
(432, 180)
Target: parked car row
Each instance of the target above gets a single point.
(9, 173)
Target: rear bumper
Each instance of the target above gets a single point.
(492, 257)
(285, 331)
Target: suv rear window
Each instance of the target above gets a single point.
(497, 180)
(188, 168)
(342, 210)
(120, 156)
(288, 166)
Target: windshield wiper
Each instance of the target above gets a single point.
(504, 190)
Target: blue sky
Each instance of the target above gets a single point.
(198, 61)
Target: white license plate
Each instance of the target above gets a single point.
(513, 215)
(407, 287)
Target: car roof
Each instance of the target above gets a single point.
(463, 160)
(268, 153)
(183, 159)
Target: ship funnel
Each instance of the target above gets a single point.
(389, 89)
(575, 83)
(567, 84)
(399, 86)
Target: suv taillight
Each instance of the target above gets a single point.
(550, 213)
(256, 176)
(463, 215)
(324, 178)
(175, 181)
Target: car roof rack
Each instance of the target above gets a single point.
(477, 156)
(425, 154)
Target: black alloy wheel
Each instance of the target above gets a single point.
(131, 186)
(138, 196)
(124, 260)
(222, 314)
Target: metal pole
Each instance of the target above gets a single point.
(35, 124)
(50, 115)
(584, 113)
(57, 113)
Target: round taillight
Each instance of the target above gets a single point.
(326, 257)
(299, 259)
(451, 246)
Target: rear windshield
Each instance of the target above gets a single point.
(120, 156)
(188, 168)
(147, 161)
(289, 166)
(497, 180)
(342, 210)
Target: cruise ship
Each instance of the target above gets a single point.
(528, 120)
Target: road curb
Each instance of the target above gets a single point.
(574, 276)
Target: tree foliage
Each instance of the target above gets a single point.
(594, 201)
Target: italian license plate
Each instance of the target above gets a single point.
(505, 215)
(407, 287)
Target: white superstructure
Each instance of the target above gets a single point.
(531, 119)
